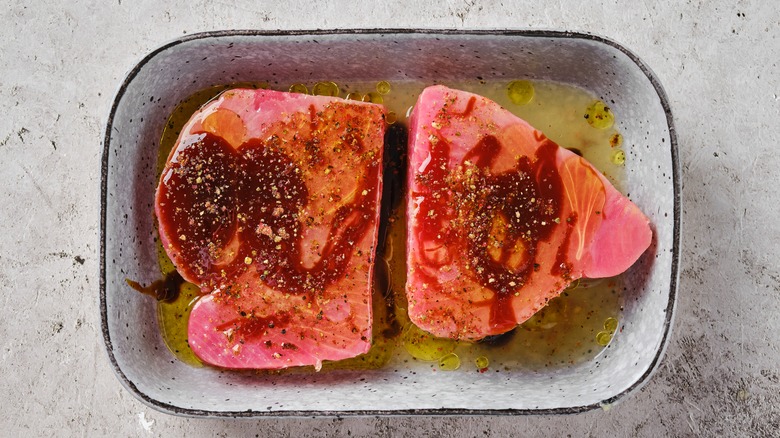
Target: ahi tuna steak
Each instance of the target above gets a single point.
(269, 203)
(500, 219)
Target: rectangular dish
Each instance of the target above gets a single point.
(176, 70)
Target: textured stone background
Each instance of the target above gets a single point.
(61, 62)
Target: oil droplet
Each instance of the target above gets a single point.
(424, 346)
(481, 362)
(391, 118)
(449, 362)
(619, 157)
(325, 89)
(520, 92)
(383, 87)
(603, 338)
(616, 140)
(355, 96)
(299, 88)
(373, 97)
(611, 324)
(599, 115)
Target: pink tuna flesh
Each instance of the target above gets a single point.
(269, 202)
(500, 219)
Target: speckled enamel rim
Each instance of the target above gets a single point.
(676, 181)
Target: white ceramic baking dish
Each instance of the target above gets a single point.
(174, 71)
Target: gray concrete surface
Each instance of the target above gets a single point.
(60, 64)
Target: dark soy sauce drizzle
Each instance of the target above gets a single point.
(392, 194)
(166, 289)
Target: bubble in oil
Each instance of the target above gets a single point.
(481, 362)
(298, 88)
(599, 115)
(449, 362)
(619, 157)
(391, 118)
(355, 96)
(373, 97)
(520, 92)
(383, 87)
(616, 139)
(424, 346)
(603, 338)
(325, 89)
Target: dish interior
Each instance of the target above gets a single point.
(175, 71)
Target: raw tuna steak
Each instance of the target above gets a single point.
(269, 203)
(501, 219)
